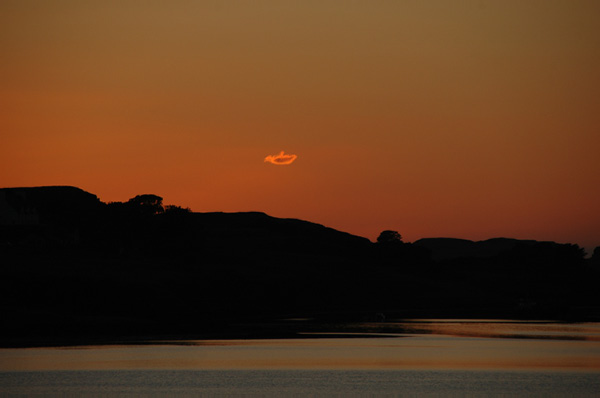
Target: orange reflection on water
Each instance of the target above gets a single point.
(446, 346)
(506, 329)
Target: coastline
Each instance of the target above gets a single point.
(309, 330)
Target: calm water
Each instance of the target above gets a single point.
(318, 383)
(428, 359)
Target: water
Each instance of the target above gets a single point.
(428, 358)
(316, 383)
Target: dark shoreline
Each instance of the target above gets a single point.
(396, 328)
(75, 270)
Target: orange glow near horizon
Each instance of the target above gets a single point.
(472, 120)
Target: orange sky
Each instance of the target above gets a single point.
(471, 119)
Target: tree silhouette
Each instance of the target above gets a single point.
(174, 209)
(147, 204)
(389, 237)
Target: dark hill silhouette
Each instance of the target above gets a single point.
(452, 248)
(73, 269)
(56, 205)
(102, 224)
(258, 230)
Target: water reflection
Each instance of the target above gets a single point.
(504, 329)
(416, 344)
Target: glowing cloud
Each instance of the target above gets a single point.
(280, 159)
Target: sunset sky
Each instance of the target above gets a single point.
(471, 119)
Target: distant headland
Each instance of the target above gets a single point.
(75, 269)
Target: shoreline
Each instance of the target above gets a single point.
(307, 330)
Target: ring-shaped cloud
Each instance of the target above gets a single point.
(281, 159)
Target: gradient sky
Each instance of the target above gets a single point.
(471, 119)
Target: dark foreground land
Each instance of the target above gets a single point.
(75, 270)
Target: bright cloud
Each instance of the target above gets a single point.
(281, 158)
